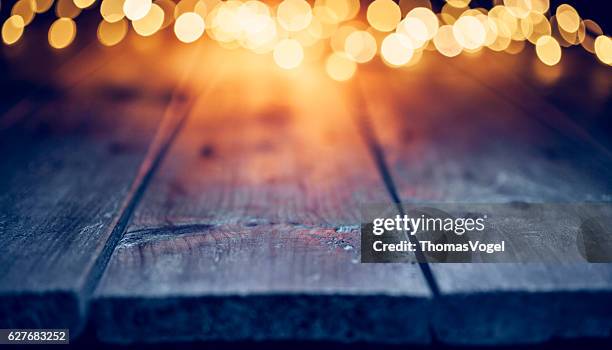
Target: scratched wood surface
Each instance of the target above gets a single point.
(248, 228)
(249, 231)
(71, 166)
(479, 146)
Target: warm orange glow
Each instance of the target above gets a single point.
(339, 67)
(288, 54)
(360, 46)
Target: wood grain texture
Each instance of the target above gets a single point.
(249, 231)
(65, 174)
(478, 147)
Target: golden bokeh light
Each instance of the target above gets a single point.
(415, 30)
(449, 14)
(336, 11)
(360, 46)
(556, 32)
(110, 34)
(334, 31)
(189, 27)
(12, 29)
(24, 9)
(62, 33)
(183, 6)
(151, 22)
(66, 8)
(576, 37)
(396, 49)
(294, 15)
(567, 18)
(503, 36)
(592, 31)
(534, 26)
(548, 50)
(469, 32)
(502, 17)
(112, 10)
(323, 22)
(223, 23)
(489, 26)
(428, 18)
(42, 6)
(458, 3)
(384, 15)
(288, 54)
(603, 49)
(519, 8)
(136, 9)
(540, 6)
(83, 4)
(259, 29)
(445, 42)
(340, 67)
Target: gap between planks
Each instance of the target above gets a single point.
(364, 122)
(176, 114)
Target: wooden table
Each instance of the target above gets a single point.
(208, 195)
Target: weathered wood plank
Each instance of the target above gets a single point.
(249, 231)
(65, 179)
(474, 146)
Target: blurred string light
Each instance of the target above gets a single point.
(398, 31)
(188, 27)
(136, 9)
(62, 32)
